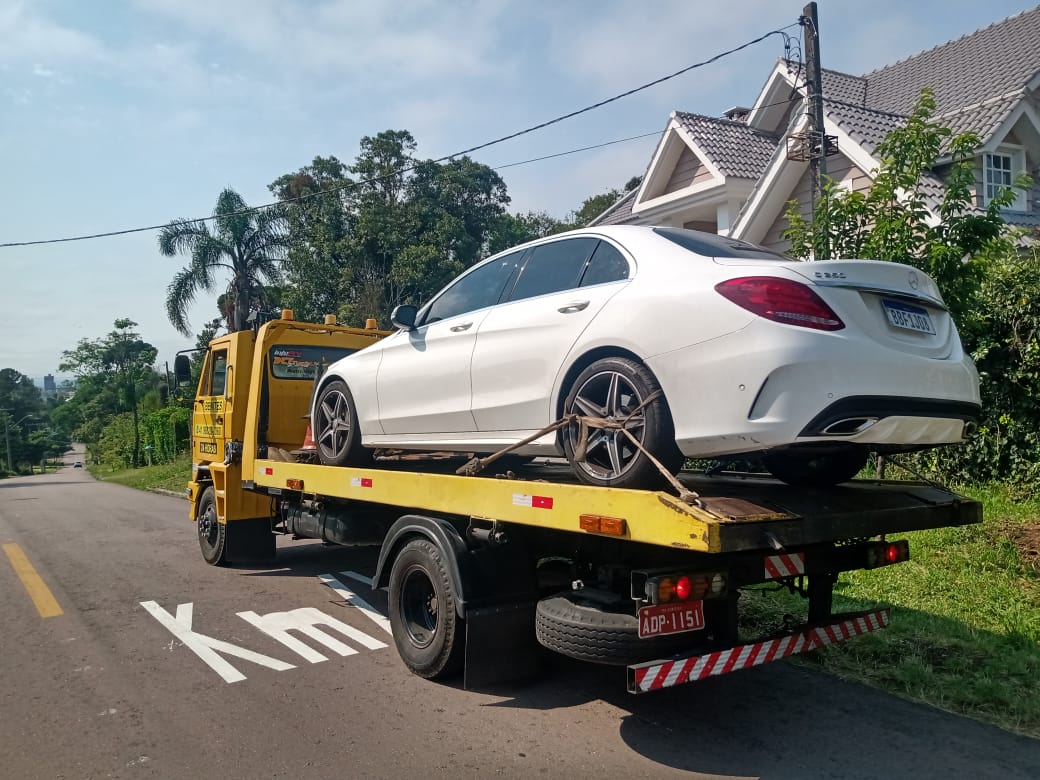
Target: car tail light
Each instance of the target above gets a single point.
(781, 300)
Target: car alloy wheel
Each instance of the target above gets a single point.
(336, 432)
(616, 389)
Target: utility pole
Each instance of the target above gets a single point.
(7, 437)
(817, 136)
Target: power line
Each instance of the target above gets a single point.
(252, 209)
(575, 151)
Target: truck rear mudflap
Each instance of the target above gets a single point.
(655, 675)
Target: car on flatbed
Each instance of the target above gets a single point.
(678, 344)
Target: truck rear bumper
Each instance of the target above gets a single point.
(654, 675)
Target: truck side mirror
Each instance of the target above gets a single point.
(403, 316)
(182, 371)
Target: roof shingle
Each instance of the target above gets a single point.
(733, 147)
(995, 60)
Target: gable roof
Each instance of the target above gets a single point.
(734, 148)
(979, 80)
(994, 60)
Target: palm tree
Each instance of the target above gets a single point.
(248, 244)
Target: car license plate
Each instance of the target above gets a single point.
(908, 316)
(661, 619)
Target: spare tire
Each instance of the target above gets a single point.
(589, 631)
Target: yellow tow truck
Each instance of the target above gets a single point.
(482, 570)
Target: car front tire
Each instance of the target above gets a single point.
(337, 434)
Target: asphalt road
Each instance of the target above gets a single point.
(111, 686)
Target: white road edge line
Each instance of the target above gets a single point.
(355, 600)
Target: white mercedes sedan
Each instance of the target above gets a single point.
(690, 343)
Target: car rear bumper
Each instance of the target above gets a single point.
(789, 389)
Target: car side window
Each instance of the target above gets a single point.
(479, 288)
(553, 267)
(606, 265)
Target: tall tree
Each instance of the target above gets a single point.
(120, 366)
(316, 208)
(247, 245)
(385, 230)
(20, 404)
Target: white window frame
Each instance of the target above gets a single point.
(1016, 156)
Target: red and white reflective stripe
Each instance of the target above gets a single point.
(664, 674)
(780, 566)
(536, 502)
(360, 482)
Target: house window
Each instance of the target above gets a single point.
(999, 171)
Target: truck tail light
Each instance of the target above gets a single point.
(780, 300)
(669, 588)
(887, 553)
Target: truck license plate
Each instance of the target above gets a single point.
(908, 317)
(661, 619)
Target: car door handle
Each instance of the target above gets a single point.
(460, 328)
(573, 306)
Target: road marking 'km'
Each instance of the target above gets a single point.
(306, 621)
(37, 589)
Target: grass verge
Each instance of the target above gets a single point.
(166, 476)
(965, 632)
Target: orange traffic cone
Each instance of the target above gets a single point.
(308, 441)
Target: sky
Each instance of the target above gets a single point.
(130, 113)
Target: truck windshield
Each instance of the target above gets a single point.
(292, 362)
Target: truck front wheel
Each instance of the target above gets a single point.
(212, 534)
(427, 630)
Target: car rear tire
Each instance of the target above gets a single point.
(337, 434)
(805, 468)
(588, 631)
(613, 388)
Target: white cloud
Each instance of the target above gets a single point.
(33, 38)
(388, 42)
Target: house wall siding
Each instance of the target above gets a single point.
(839, 168)
(688, 170)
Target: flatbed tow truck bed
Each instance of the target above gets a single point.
(733, 513)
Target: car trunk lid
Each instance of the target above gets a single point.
(891, 303)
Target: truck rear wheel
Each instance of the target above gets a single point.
(589, 631)
(212, 533)
(427, 629)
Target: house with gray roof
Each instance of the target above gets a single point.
(733, 175)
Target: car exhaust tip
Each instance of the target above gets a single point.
(849, 426)
(970, 429)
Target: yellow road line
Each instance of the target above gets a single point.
(38, 591)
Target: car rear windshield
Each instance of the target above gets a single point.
(713, 245)
(292, 362)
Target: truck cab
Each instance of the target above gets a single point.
(252, 400)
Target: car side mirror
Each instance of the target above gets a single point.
(403, 316)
